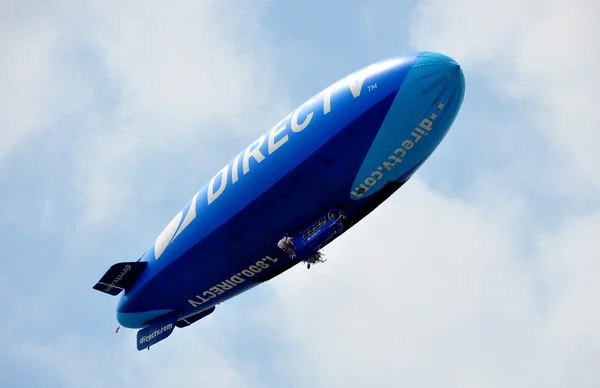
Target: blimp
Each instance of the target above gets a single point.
(291, 192)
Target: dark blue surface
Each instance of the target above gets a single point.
(220, 246)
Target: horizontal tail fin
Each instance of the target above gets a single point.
(158, 329)
(119, 277)
(195, 318)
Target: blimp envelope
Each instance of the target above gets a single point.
(297, 188)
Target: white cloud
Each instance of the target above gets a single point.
(188, 75)
(569, 258)
(29, 90)
(149, 88)
(429, 290)
(184, 63)
(545, 53)
(188, 358)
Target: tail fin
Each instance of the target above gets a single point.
(157, 330)
(185, 322)
(119, 277)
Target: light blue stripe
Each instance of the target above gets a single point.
(433, 80)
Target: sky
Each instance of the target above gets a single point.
(480, 272)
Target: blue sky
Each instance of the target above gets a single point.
(113, 114)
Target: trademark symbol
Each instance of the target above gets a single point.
(372, 87)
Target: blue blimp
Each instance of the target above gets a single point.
(292, 191)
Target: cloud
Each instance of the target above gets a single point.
(29, 92)
(418, 281)
(185, 78)
(135, 86)
(187, 359)
(430, 290)
(542, 53)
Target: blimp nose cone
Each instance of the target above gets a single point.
(436, 78)
(435, 69)
(423, 110)
(433, 59)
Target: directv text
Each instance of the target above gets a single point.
(277, 136)
(232, 282)
(424, 127)
(155, 333)
(266, 145)
(118, 278)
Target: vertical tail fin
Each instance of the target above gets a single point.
(119, 277)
